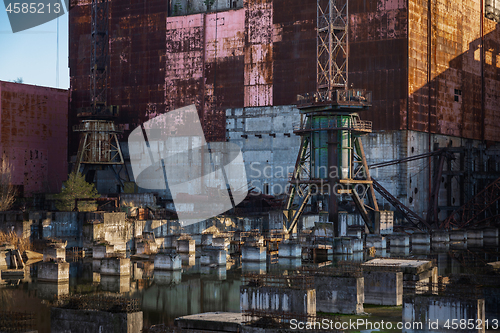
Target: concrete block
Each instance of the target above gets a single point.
(290, 250)
(82, 321)
(490, 233)
(169, 261)
(475, 242)
(383, 288)
(206, 239)
(474, 234)
(339, 294)
(376, 241)
(100, 251)
(171, 241)
(253, 253)
(186, 246)
(458, 235)
(347, 245)
(52, 253)
(213, 256)
(115, 266)
(278, 300)
(384, 222)
(188, 259)
(53, 271)
(440, 247)
(420, 238)
(398, 240)
(440, 236)
(438, 310)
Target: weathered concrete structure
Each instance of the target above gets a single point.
(253, 253)
(433, 312)
(53, 271)
(339, 294)
(383, 287)
(80, 321)
(278, 300)
(115, 266)
(167, 260)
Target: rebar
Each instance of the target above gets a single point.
(99, 303)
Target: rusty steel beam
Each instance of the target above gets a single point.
(407, 213)
(467, 215)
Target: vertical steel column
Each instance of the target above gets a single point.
(333, 207)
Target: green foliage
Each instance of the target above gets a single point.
(77, 187)
(7, 191)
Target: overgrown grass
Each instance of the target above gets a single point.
(11, 238)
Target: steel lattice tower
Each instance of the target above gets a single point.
(99, 146)
(331, 162)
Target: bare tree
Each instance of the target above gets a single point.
(7, 190)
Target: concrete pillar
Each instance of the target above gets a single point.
(253, 253)
(186, 246)
(290, 250)
(53, 253)
(420, 238)
(433, 312)
(53, 271)
(278, 300)
(458, 235)
(206, 239)
(169, 261)
(115, 266)
(347, 245)
(115, 283)
(383, 287)
(377, 241)
(213, 256)
(440, 236)
(339, 294)
(398, 240)
(100, 251)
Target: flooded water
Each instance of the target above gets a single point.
(166, 295)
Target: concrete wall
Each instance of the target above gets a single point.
(272, 299)
(34, 135)
(265, 136)
(339, 294)
(440, 309)
(383, 288)
(82, 321)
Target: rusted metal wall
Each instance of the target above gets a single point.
(34, 135)
(265, 54)
(378, 31)
(455, 67)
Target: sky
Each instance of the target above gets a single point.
(32, 54)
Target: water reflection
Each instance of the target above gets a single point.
(197, 288)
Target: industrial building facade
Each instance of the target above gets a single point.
(249, 60)
(34, 136)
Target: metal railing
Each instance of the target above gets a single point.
(332, 124)
(340, 96)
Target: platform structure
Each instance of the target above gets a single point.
(331, 163)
